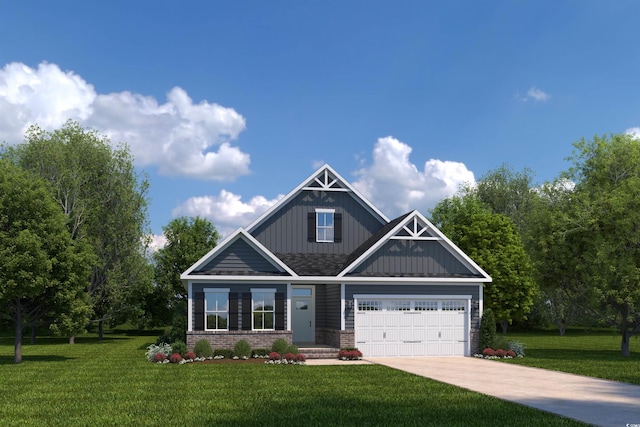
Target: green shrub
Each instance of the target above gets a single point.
(292, 349)
(500, 342)
(517, 347)
(259, 352)
(242, 349)
(164, 349)
(226, 353)
(280, 346)
(179, 347)
(487, 330)
(203, 349)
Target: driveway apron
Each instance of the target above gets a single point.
(591, 400)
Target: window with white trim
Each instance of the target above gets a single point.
(324, 225)
(264, 302)
(216, 310)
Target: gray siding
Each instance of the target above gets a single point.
(286, 230)
(239, 288)
(332, 306)
(418, 289)
(239, 257)
(413, 257)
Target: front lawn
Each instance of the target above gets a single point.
(594, 353)
(111, 383)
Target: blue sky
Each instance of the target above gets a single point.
(227, 106)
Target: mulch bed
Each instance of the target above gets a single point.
(251, 361)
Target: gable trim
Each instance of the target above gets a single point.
(321, 178)
(413, 219)
(237, 235)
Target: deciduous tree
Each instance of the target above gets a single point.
(605, 222)
(188, 240)
(492, 240)
(105, 201)
(42, 271)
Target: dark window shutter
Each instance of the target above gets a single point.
(280, 314)
(233, 311)
(311, 226)
(199, 311)
(246, 311)
(337, 227)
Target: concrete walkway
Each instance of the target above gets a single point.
(591, 400)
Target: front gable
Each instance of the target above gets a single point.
(291, 227)
(411, 246)
(239, 255)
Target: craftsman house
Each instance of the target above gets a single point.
(324, 267)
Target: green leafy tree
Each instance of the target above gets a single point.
(105, 201)
(188, 240)
(555, 245)
(42, 271)
(605, 225)
(507, 192)
(491, 240)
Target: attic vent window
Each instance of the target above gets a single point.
(324, 225)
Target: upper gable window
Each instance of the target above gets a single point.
(324, 225)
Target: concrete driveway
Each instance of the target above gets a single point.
(591, 400)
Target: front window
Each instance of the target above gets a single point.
(324, 225)
(216, 307)
(263, 310)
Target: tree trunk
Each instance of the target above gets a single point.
(17, 344)
(100, 330)
(504, 324)
(562, 328)
(72, 339)
(33, 334)
(624, 347)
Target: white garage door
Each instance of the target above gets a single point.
(411, 327)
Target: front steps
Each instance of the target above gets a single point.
(319, 352)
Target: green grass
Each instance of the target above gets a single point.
(111, 383)
(594, 353)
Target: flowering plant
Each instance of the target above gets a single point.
(350, 354)
(301, 358)
(175, 358)
(190, 355)
(290, 356)
(159, 357)
(274, 356)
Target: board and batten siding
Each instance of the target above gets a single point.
(412, 257)
(422, 290)
(239, 257)
(328, 306)
(286, 230)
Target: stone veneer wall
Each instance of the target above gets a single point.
(228, 339)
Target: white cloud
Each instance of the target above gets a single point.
(227, 211)
(157, 241)
(635, 132)
(396, 186)
(536, 95)
(179, 136)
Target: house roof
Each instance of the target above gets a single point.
(411, 226)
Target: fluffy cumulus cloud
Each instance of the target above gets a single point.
(396, 186)
(178, 136)
(226, 210)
